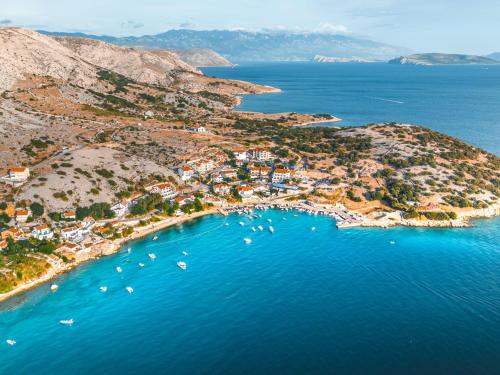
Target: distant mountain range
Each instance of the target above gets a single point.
(442, 59)
(245, 46)
(494, 56)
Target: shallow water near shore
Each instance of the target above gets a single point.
(293, 302)
(459, 100)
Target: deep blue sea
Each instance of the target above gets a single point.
(356, 301)
(463, 101)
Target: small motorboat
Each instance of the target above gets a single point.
(152, 256)
(313, 229)
(269, 220)
(141, 265)
(129, 250)
(226, 224)
(253, 229)
(242, 223)
(67, 322)
(182, 265)
(271, 229)
(54, 287)
(129, 289)
(260, 227)
(155, 238)
(11, 342)
(119, 269)
(392, 242)
(185, 253)
(248, 241)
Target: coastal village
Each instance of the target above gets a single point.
(90, 162)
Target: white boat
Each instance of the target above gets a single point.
(54, 287)
(129, 289)
(185, 253)
(152, 256)
(392, 242)
(226, 224)
(11, 342)
(248, 241)
(119, 269)
(182, 265)
(313, 229)
(285, 219)
(242, 223)
(103, 289)
(155, 238)
(253, 229)
(260, 227)
(67, 322)
(129, 250)
(269, 220)
(141, 264)
(271, 229)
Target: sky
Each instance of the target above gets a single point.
(449, 26)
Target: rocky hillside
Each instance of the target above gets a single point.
(139, 65)
(25, 52)
(442, 59)
(202, 57)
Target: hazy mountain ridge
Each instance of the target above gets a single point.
(494, 56)
(442, 59)
(260, 46)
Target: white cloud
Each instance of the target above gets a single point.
(328, 27)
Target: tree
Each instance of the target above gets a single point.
(37, 209)
(198, 206)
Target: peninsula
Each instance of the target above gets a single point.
(442, 59)
(102, 144)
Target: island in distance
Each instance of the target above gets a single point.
(442, 59)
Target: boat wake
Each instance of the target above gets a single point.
(386, 100)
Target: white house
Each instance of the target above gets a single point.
(260, 172)
(280, 175)
(261, 154)
(119, 209)
(240, 155)
(69, 215)
(18, 174)
(22, 215)
(42, 232)
(204, 166)
(73, 234)
(222, 189)
(185, 172)
(166, 190)
(197, 129)
(245, 191)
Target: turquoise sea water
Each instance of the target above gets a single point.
(293, 302)
(463, 101)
